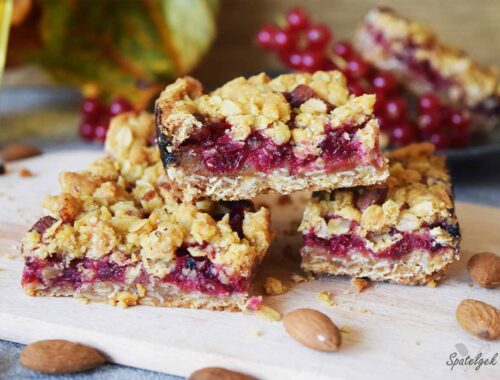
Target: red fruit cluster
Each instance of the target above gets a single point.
(304, 46)
(96, 116)
(300, 44)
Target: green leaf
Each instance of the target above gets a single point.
(129, 48)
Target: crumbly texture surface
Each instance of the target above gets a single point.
(394, 43)
(416, 199)
(125, 208)
(260, 105)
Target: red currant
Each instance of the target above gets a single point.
(440, 139)
(265, 37)
(100, 131)
(428, 123)
(384, 83)
(284, 40)
(318, 36)
(119, 106)
(403, 134)
(396, 108)
(428, 103)
(297, 19)
(343, 49)
(291, 59)
(86, 130)
(92, 108)
(459, 119)
(356, 68)
(312, 60)
(384, 124)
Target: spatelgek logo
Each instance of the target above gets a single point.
(465, 359)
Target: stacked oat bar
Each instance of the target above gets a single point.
(174, 225)
(305, 132)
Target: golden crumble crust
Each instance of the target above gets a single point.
(259, 103)
(124, 204)
(418, 194)
(470, 83)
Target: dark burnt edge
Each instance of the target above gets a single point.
(164, 143)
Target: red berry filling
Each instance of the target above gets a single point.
(345, 244)
(190, 274)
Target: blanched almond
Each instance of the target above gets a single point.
(313, 329)
(217, 373)
(59, 356)
(479, 319)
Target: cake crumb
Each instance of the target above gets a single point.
(326, 298)
(25, 173)
(417, 343)
(268, 313)
(255, 333)
(359, 284)
(470, 285)
(346, 329)
(363, 310)
(141, 290)
(298, 278)
(126, 299)
(83, 300)
(274, 287)
(432, 284)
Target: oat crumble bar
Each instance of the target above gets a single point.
(416, 56)
(404, 232)
(250, 136)
(117, 233)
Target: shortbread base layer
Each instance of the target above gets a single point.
(164, 295)
(415, 268)
(248, 187)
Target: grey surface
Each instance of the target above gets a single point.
(476, 180)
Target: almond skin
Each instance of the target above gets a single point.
(14, 152)
(217, 373)
(59, 356)
(479, 319)
(313, 329)
(484, 269)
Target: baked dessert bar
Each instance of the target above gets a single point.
(250, 136)
(405, 232)
(117, 233)
(417, 57)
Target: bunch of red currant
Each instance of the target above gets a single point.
(304, 46)
(96, 116)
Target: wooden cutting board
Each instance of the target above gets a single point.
(390, 331)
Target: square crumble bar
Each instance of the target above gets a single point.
(414, 54)
(404, 232)
(250, 136)
(117, 233)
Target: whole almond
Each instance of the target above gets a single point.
(217, 373)
(14, 152)
(479, 319)
(484, 269)
(59, 356)
(313, 329)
